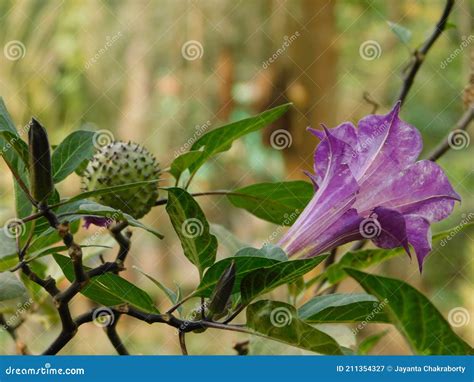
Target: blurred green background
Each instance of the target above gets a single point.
(161, 72)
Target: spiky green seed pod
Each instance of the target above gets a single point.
(39, 157)
(121, 163)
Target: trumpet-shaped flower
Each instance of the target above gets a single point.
(369, 184)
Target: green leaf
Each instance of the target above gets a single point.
(403, 34)
(417, 319)
(449, 25)
(367, 344)
(14, 160)
(221, 139)
(359, 260)
(76, 147)
(10, 261)
(8, 251)
(182, 163)
(80, 208)
(268, 251)
(266, 279)
(279, 321)
(109, 289)
(16, 143)
(107, 190)
(192, 228)
(279, 203)
(444, 236)
(172, 297)
(246, 260)
(355, 307)
(367, 257)
(10, 287)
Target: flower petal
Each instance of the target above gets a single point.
(392, 232)
(334, 197)
(419, 236)
(345, 133)
(385, 142)
(422, 189)
(344, 230)
(99, 221)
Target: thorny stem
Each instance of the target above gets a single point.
(62, 298)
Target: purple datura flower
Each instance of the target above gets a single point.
(96, 220)
(369, 185)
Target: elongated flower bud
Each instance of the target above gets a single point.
(41, 180)
(222, 292)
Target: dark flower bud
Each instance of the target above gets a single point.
(222, 292)
(41, 180)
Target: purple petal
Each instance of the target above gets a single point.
(335, 196)
(419, 236)
(421, 189)
(96, 220)
(313, 179)
(345, 133)
(344, 230)
(392, 233)
(385, 142)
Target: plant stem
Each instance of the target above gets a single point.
(420, 54)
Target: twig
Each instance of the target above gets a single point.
(444, 146)
(420, 54)
(182, 342)
(368, 98)
(114, 338)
